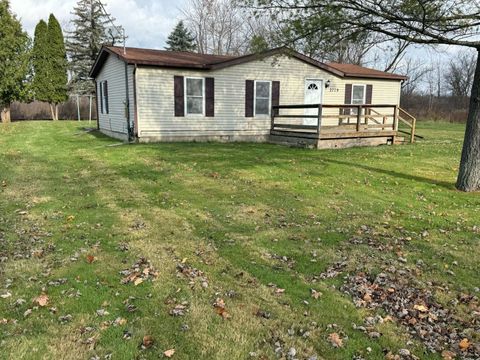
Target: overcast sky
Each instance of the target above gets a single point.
(147, 22)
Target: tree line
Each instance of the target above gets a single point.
(51, 67)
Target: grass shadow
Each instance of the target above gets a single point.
(445, 184)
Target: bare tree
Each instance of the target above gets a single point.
(220, 27)
(417, 71)
(460, 72)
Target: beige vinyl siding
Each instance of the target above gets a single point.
(113, 71)
(155, 96)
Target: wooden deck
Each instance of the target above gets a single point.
(339, 125)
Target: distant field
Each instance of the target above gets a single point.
(234, 251)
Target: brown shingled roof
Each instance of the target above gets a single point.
(167, 58)
(188, 60)
(351, 70)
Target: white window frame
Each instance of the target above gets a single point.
(255, 98)
(185, 96)
(364, 93)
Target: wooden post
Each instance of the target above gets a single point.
(319, 120)
(395, 117)
(412, 135)
(359, 116)
(78, 108)
(90, 109)
(272, 119)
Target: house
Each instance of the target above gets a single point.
(154, 95)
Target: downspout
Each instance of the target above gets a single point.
(135, 109)
(127, 106)
(96, 104)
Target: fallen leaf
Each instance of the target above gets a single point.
(367, 297)
(90, 259)
(70, 218)
(120, 321)
(279, 291)
(464, 344)
(4, 183)
(138, 281)
(6, 295)
(335, 340)
(421, 308)
(41, 300)
(147, 341)
(448, 355)
(316, 294)
(169, 353)
(222, 312)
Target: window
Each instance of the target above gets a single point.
(262, 97)
(358, 94)
(194, 94)
(104, 97)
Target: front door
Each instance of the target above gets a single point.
(313, 95)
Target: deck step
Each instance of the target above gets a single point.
(399, 140)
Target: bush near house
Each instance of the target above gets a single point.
(234, 251)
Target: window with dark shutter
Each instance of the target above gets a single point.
(249, 93)
(209, 97)
(179, 95)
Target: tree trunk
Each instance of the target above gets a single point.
(56, 112)
(469, 173)
(5, 114)
(52, 111)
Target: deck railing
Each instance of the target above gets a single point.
(360, 118)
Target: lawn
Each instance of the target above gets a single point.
(234, 251)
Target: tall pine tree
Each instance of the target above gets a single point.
(41, 82)
(85, 41)
(180, 39)
(14, 60)
(58, 66)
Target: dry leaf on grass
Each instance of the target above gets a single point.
(138, 281)
(90, 259)
(70, 218)
(335, 340)
(448, 355)
(147, 341)
(464, 344)
(41, 300)
(219, 306)
(169, 353)
(316, 294)
(421, 308)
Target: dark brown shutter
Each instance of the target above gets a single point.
(368, 97)
(105, 93)
(276, 95)
(179, 95)
(101, 98)
(209, 97)
(348, 98)
(249, 84)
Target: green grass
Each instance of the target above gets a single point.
(224, 209)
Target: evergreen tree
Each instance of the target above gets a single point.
(40, 84)
(57, 57)
(180, 39)
(14, 60)
(85, 41)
